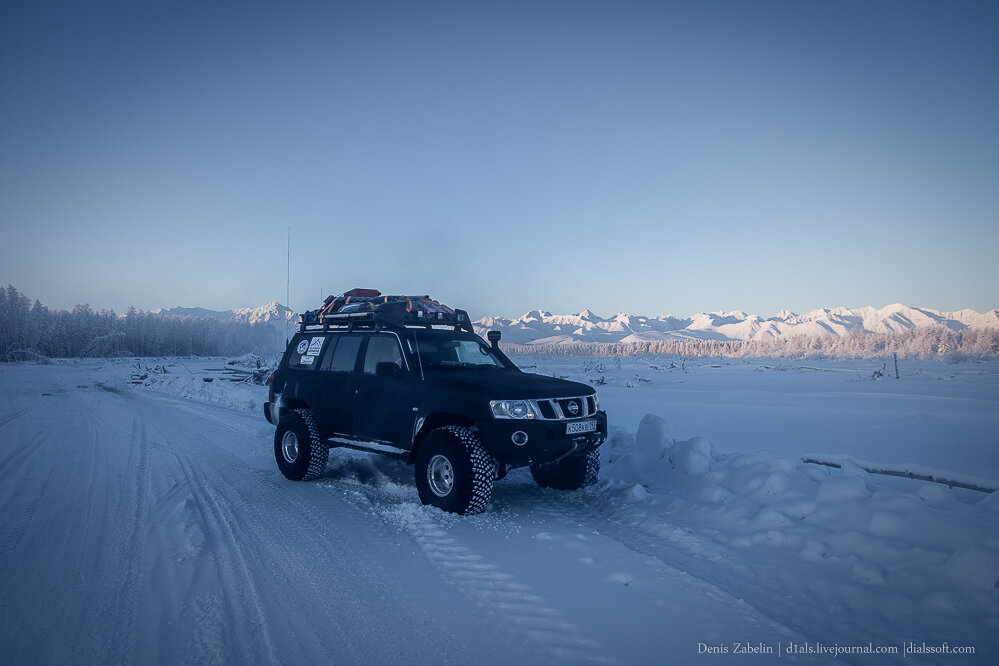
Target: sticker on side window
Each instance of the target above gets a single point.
(315, 346)
(303, 346)
(307, 360)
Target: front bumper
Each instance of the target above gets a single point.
(546, 440)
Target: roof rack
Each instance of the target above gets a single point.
(369, 308)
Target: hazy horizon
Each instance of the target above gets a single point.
(604, 314)
(647, 157)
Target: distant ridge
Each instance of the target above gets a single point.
(540, 327)
(264, 313)
(280, 317)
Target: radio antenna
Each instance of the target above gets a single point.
(287, 286)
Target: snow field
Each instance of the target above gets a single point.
(850, 554)
(186, 379)
(841, 554)
(166, 532)
(556, 588)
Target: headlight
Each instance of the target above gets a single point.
(596, 402)
(511, 409)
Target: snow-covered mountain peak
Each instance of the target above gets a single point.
(542, 327)
(265, 313)
(588, 315)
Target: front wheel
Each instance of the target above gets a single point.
(454, 472)
(300, 452)
(571, 473)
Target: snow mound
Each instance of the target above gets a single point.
(692, 456)
(977, 566)
(844, 531)
(990, 502)
(652, 454)
(842, 489)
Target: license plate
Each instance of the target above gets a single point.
(577, 427)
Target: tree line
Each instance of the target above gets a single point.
(31, 330)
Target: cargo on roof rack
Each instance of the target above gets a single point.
(368, 307)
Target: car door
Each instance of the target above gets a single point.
(335, 379)
(301, 371)
(383, 398)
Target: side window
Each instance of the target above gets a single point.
(382, 349)
(306, 353)
(345, 354)
(328, 356)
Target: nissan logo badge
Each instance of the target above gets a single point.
(573, 408)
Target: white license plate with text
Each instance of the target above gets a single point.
(577, 427)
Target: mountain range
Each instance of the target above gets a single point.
(542, 327)
(282, 318)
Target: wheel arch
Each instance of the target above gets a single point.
(289, 404)
(433, 421)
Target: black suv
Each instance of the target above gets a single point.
(408, 377)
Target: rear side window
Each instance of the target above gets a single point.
(306, 353)
(381, 349)
(345, 354)
(328, 356)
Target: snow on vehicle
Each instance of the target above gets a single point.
(408, 377)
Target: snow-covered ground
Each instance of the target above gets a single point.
(147, 523)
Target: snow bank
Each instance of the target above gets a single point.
(204, 380)
(651, 455)
(816, 532)
(240, 397)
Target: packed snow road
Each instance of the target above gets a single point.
(140, 526)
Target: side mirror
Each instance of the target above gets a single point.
(387, 369)
(494, 338)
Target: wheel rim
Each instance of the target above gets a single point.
(440, 476)
(289, 447)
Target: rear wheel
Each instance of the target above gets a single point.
(300, 452)
(454, 472)
(570, 474)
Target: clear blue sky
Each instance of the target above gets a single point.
(647, 157)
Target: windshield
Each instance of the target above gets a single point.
(446, 352)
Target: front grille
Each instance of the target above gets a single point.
(546, 410)
(560, 409)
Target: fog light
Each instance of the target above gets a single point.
(519, 438)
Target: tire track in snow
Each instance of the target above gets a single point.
(514, 604)
(216, 502)
(235, 575)
(117, 581)
(93, 486)
(229, 617)
(22, 454)
(22, 519)
(4, 420)
(791, 607)
(663, 543)
(297, 553)
(382, 584)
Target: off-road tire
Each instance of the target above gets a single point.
(570, 474)
(313, 453)
(472, 470)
